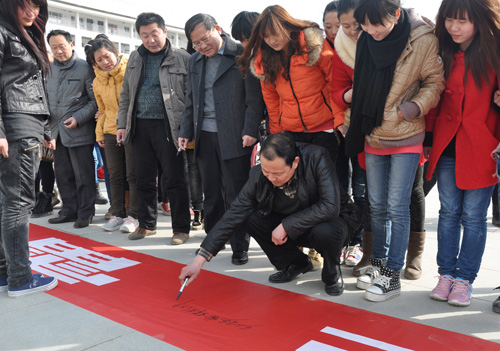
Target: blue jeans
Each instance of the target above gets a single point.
(467, 208)
(17, 199)
(390, 180)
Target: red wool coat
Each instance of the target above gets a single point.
(469, 114)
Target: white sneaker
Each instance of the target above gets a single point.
(130, 225)
(113, 224)
(354, 255)
(366, 280)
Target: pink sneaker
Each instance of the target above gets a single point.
(461, 293)
(443, 288)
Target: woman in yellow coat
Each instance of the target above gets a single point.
(109, 71)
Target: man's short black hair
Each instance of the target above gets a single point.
(55, 32)
(242, 25)
(279, 145)
(208, 21)
(147, 18)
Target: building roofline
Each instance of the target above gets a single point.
(102, 11)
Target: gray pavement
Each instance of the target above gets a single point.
(42, 322)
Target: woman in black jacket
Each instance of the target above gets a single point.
(23, 122)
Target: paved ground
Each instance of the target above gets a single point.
(42, 322)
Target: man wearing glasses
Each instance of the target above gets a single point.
(222, 114)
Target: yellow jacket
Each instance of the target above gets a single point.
(107, 88)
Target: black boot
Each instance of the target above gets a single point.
(43, 206)
(99, 199)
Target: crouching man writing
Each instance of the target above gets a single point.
(291, 199)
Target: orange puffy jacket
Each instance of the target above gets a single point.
(304, 102)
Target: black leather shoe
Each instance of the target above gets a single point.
(291, 272)
(239, 258)
(336, 288)
(61, 219)
(82, 222)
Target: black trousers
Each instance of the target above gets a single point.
(46, 175)
(75, 176)
(417, 204)
(329, 141)
(222, 181)
(150, 146)
(327, 238)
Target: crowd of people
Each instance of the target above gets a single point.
(352, 124)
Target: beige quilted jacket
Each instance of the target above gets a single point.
(418, 78)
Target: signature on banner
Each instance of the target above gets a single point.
(72, 264)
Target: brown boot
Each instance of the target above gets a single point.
(367, 246)
(413, 269)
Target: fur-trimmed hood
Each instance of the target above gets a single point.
(311, 38)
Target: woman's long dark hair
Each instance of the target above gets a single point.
(32, 37)
(274, 20)
(484, 51)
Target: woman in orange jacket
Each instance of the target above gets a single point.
(289, 57)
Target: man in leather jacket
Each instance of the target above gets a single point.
(291, 199)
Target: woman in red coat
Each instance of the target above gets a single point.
(466, 129)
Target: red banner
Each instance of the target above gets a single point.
(218, 312)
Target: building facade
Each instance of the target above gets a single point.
(84, 23)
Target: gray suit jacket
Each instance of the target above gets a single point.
(70, 93)
(239, 106)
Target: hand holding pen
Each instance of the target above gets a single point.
(182, 288)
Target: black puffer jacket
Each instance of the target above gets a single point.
(21, 79)
(319, 195)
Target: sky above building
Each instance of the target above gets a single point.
(178, 12)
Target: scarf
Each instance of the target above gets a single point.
(375, 64)
(345, 48)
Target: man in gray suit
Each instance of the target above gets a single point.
(72, 109)
(222, 113)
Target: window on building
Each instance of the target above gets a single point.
(100, 25)
(85, 41)
(112, 28)
(73, 21)
(125, 49)
(90, 24)
(55, 17)
(82, 24)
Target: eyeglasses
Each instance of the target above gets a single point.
(205, 40)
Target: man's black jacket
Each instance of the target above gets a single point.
(318, 192)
